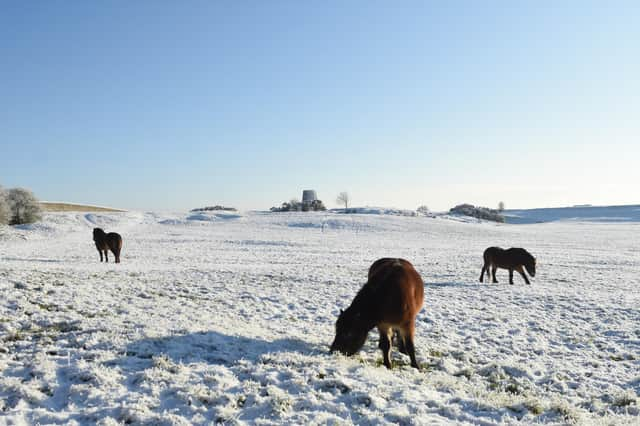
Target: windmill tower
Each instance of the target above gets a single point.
(309, 196)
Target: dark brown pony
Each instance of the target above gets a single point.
(390, 301)
(105, 242)
(511, 259)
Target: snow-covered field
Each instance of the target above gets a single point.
(228, 318)
(629, 213)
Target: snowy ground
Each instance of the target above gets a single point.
(229, 318)
(580, 213)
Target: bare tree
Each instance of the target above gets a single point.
(4, 207)
(24, 206)
(423, 210)
(343, 198)
(501, 206)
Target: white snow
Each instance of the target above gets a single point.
(211, 319)
(578, 213)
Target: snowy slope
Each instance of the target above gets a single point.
(629, 213)
(229, 319)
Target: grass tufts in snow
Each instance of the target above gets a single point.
(625, 399)
(569, 414)
(535, 406)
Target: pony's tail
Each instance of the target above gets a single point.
(118, 249)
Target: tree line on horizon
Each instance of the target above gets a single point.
(20, 206)
(344, 198)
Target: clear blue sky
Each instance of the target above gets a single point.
(173, 105)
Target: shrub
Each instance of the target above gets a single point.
(291, 206)
(478, 212)
(424, 211)
(24, 206)
(316, 205)
(296, 206)
(214, 208)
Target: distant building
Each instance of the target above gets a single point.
(309, 196)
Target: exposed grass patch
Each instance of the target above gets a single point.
(534, 406)
(435, 353)
(240, 401)
(280, 401)
(568, 413)
(465, 372)
(47, 306)
(70, 207)
(62, 327)
(428, 366)
(16, 336)
(501, 399)
(95, 314)
(45, 331)
(163, 362)
(625, 399)
(514, 388)
(19, 286)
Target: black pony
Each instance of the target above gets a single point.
(511, 259)
(104, 242)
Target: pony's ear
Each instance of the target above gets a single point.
(341, 311)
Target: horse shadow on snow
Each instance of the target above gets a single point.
(442, 284)
(215, 348)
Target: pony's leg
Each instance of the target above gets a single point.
(106, 257)
(116, 253)
(511, 276)
(484, 268)
(385, 345)
(494, 268)
(521, 271)
(402, 346)
(100, 251)
(407, 336)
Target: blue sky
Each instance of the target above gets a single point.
(173, 105)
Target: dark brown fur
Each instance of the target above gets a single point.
(511, 259)
(105, 242)
(390, 301)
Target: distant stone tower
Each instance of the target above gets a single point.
(309, 196)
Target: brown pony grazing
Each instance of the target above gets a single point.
(511, 259)
(105, 242)
(390, 301)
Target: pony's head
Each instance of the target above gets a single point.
(350, 332)
(98, 233)
(530, 266)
